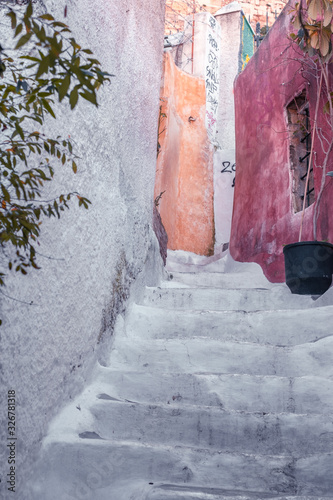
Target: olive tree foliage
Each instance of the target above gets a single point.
(44, 65)
(313, 23)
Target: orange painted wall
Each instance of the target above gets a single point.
(185, 164)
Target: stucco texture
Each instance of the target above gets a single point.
(230, 23)
(263, 218)
(185, 164)
(60, 318)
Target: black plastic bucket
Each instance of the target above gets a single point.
(308, 267)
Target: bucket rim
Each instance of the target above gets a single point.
(307, 243)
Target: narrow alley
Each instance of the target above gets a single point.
(154, 350)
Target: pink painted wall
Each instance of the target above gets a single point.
(263, 216)
(185, 164)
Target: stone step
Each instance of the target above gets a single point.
(210, 393)
(265, 327)
(177, 492)
(211, 299)
(218, 280)
(213, 356)
(251, 393)
(77, 468)
(211, 428)
(178, 261)
(220, 263)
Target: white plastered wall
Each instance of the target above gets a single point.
(224, 182)
(229, 18)
(91, 259)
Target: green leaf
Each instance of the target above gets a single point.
(94, 61)
(37, 213)
(59, 24)
(74, 167)
(29, 10)
(51, 66)
(18, 30)
(19, 131)
(89, 96)
(73, 98)
(12, 16)
(6, 195)
(74, 44)
(39, 32)
(23, 40)
(55, 204)
(43, 66)
(47, 17)
(63, 89)
(48, 108)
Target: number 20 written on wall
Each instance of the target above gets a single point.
(229, 168)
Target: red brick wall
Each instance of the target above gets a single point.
(176, 10)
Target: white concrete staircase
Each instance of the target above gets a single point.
(219, 387)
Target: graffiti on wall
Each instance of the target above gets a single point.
(212, 75)
(229, 168)
(247, 44)
(224, 182)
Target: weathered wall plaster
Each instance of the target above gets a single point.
(61, 318)
(212, 75)
(161, 234)
(235, 45)
(185, 164)
(264, 218)
(215, 49)
(236, 49)
(201, 56)
(224, 184)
